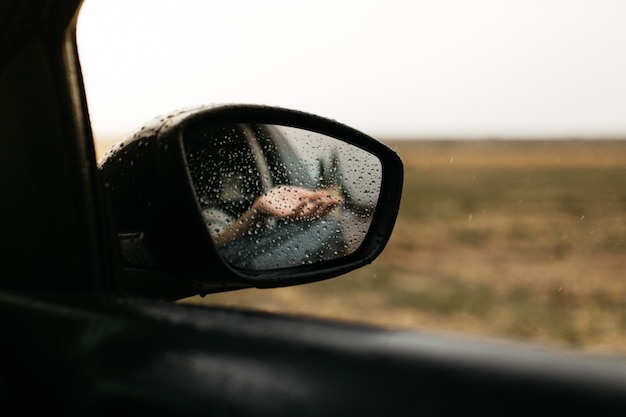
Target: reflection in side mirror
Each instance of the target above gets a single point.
(216, 198)
(276, 196)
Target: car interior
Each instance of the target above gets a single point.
(96, 256)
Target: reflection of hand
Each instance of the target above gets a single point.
(284, 202)
(296, 203)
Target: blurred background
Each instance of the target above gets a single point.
(509, 117)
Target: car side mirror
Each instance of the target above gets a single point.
(218, 198)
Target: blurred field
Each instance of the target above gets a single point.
(523, 240)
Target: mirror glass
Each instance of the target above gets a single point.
(276, 196)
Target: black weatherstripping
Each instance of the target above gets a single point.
(145, 355)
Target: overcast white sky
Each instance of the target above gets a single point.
(438, 68)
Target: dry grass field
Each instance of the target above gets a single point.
(521, 240)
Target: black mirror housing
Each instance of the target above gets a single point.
(155, 184)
